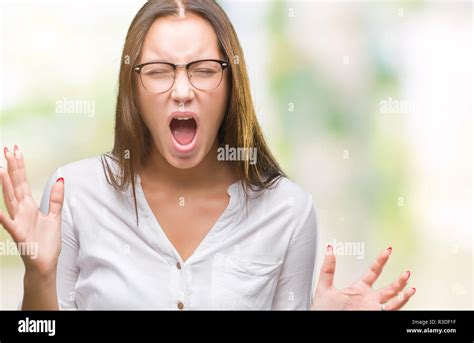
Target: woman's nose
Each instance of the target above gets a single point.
(182, 88)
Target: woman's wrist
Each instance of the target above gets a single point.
(40, 291)
(32, 277)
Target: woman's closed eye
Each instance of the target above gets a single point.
(204, 72)
(158, 73)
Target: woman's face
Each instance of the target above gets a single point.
(183, 120)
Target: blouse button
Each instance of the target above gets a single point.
(178, 265)
(180, 305)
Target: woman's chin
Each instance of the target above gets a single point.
(181, 160)
(184, 163)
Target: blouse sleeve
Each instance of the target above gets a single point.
(67, 270)
(297, 277)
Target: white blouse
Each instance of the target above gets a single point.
(256, 256)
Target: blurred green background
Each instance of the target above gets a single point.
(367, 105)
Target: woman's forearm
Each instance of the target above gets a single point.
(40, 292)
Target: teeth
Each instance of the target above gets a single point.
(183, 118)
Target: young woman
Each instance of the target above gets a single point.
(162, 222)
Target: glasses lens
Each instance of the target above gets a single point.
(205, 75)
(157, 77)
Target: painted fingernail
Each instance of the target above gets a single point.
(389, 250)
(16, 152)
(413, 290)
(60, 179)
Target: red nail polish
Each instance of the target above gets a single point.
(329, 246)
(5, 150)
(389, 249)
(60, 179)
(15, 148)
(414, 290)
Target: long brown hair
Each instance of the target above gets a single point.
(239, 127)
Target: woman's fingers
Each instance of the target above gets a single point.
(394, 288)
(57, 197)
(376, 268)
(326, 276)
(400, 301)
(8, 193)
(15, 175)
(22, 170)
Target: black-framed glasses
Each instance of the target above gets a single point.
(159, 77)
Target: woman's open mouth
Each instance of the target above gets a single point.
(183, 128)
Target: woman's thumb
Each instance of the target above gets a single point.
(57, 197)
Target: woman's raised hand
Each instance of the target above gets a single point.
(360, 295)
(29, 228)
